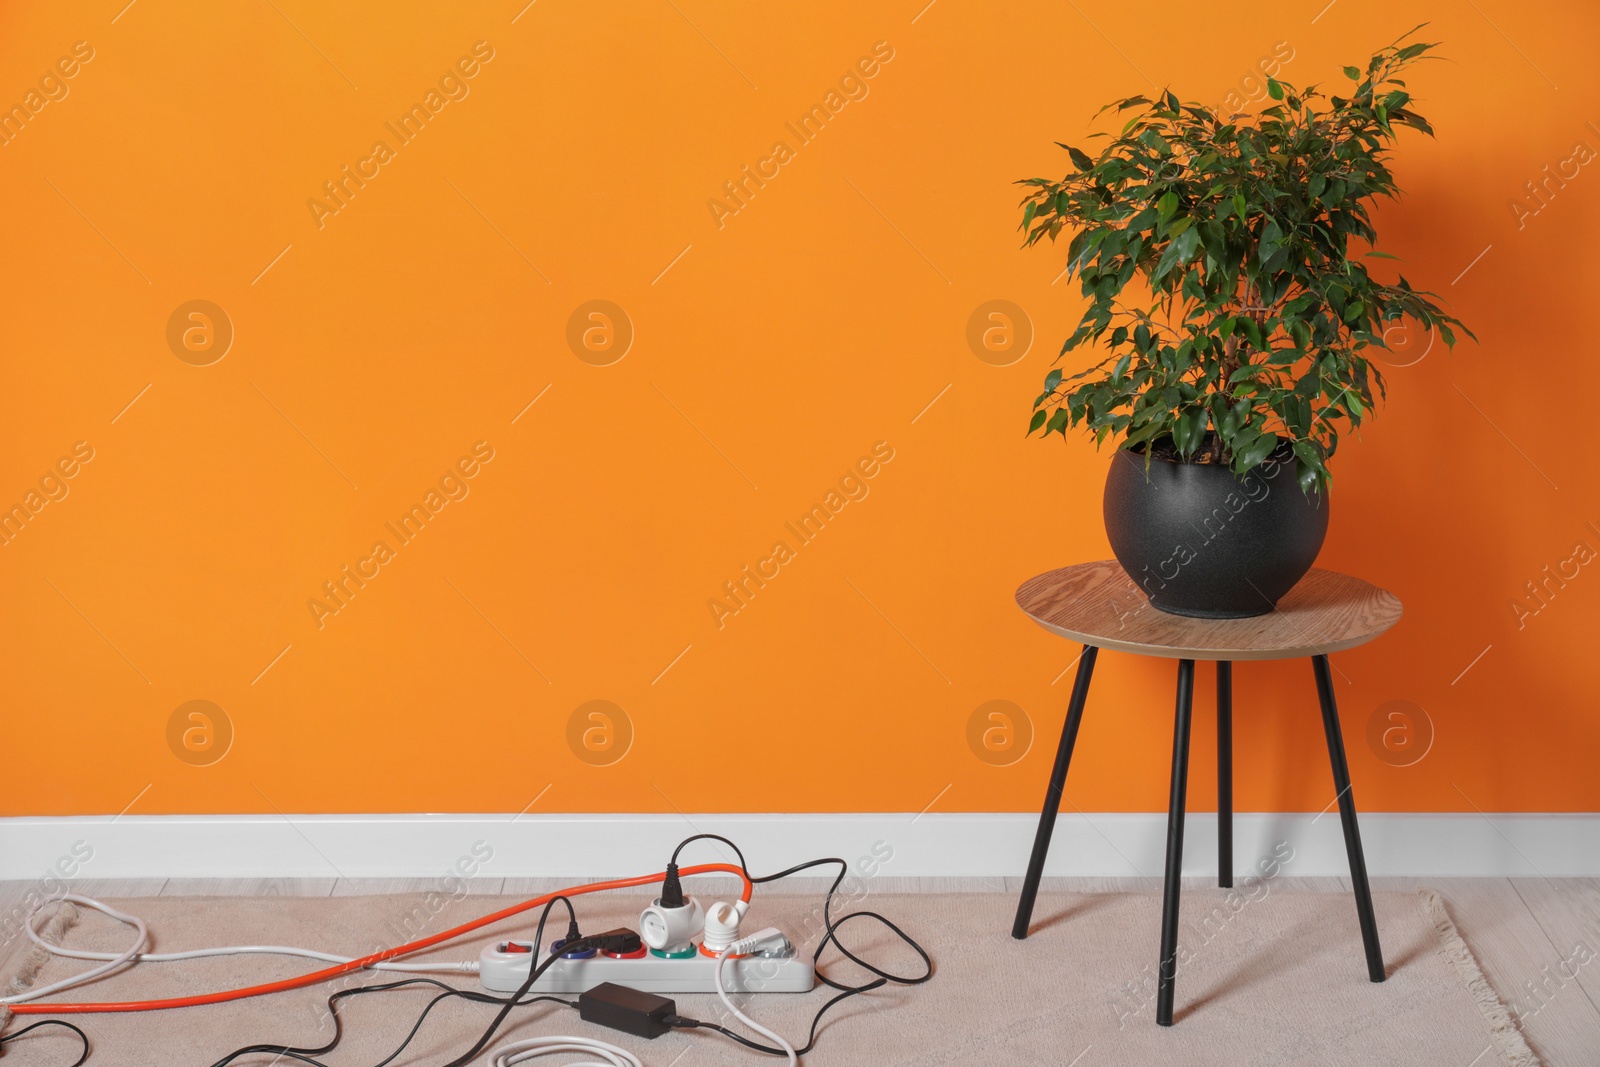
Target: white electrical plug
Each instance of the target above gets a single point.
(670, 929)
(768, 942)
(722, 926)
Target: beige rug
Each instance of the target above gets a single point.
(1279, 981)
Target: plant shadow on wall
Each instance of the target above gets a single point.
(1232, 311)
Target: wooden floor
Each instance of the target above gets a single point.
(1538, 940)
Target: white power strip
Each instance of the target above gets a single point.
(504, 972)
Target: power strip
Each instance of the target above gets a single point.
(503, 971)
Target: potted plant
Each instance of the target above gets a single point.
(1232, 314)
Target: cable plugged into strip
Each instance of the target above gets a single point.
(770, 936)
(763, 942)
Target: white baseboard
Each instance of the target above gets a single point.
(901, 845)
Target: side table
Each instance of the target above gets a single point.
(1100, 606)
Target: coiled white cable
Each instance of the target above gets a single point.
(135, 953)
(518, 1051)
(114, 960)
(745, 945)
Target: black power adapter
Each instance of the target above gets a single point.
(629, 1010)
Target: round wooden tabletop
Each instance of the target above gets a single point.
(1098, 604)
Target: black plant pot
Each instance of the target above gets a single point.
(1205, 543)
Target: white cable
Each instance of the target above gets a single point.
(113, 960)
(518, 1051)
(443, 966)
(745, 945)
(116, 959)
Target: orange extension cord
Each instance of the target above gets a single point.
(377, 957)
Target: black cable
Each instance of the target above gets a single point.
(464, 995)
(574, 943)
(307, 1054)
(672, 887)
(53, 1022)
(713, 837)
(811, 1038)
(830, 934)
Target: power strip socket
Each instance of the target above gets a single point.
(503, 971)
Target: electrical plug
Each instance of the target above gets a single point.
(770, 941)
(620, 941)
(671, 888)
(666, 928)
(722, 926)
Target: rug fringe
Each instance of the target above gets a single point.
(55, 931)
(1503, 1030)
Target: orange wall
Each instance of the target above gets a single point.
(773, 348)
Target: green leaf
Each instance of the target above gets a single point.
(1190, 430)
(1186, 242)
(1155, 142)
(1076, 248)
(1252, 330)
(1310, 464)
(1080, 159)
(1037, 420)
(1168, 260)
(1353, 73)
(1167, 204)
(1142, 434)
(1253, 453)
(1274, 89)
(1142, 221)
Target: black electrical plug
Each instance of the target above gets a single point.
(671, 888)
(620, 941)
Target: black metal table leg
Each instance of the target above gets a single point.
(1225, 774)
(1166, 980)
(1052, 795)
(1347, 816)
